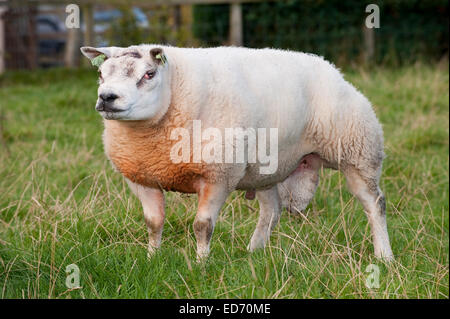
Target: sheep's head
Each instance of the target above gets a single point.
(134, 82)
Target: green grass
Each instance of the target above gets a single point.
(61, 203)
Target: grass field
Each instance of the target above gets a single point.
(61, 203)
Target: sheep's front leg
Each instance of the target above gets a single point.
(211, 197)
(270, 211)
(152, 200)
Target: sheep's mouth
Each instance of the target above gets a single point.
(114, 115)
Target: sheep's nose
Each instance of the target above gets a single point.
(108, 97)
(106, 102)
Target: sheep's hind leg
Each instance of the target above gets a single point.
(211, 197)
(270, 211)
(369, 194)
(152, 200)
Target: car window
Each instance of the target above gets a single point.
(45, 26)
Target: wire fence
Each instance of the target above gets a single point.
(35, 34)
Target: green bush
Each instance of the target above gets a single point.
(410, 29)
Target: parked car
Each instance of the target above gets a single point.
(51, 31)
(51, 34)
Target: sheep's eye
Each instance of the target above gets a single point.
(149, 75)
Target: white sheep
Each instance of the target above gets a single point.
(148, 92)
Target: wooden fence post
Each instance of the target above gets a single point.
(88, 17)
(72, 50)
(369, 44)
(89, 25)
(2, 40)
(236, 27)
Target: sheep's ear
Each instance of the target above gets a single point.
(91, 52)
(158, 56)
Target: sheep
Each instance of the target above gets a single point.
(151, 95)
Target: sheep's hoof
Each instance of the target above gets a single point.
(255, 244)
(151, 251)
(201, 259)
(387, 259)
(202, 254)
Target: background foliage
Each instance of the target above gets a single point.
(410, 29)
